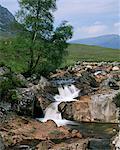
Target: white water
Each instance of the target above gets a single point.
(67, 93)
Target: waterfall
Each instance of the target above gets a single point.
(66, 93)
(52, 112)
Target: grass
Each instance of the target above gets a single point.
(79, 52)
(17, 58)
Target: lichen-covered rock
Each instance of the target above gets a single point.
(26, 103)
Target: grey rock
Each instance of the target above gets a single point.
(2, 146)
(4, 70)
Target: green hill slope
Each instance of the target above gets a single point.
(17, 58)
(79, 52)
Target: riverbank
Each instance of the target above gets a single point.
(25, 99)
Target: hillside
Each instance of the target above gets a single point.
(17, 59)
(79, 52)
(6, 20)
(108, 41)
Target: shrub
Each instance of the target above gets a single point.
(8, 82)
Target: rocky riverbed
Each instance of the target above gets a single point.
(96, 109)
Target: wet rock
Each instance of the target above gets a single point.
(99, 144)
(66, 110)
(74, 144)
(50, 123)
(77, 111)
(98, 108)
(45, 145)
(44, 102)
(76, 133)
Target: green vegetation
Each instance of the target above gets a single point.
(41, 48)
(17, 57)
(79, 52)
(8, 82)
(43, 44)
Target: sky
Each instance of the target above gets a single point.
(90, 18)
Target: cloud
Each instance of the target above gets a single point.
(117, 27)
(96, 29)
(80, 7)
(92, 30)
(12, 5)
(88, 17)
(117, 24)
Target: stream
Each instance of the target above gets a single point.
(100, 134)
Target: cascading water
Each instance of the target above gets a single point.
(67, 93)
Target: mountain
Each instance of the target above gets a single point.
(6, 20)
(108, 41)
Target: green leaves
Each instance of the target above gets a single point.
(47, 46)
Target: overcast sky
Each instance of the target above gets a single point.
(89, 17)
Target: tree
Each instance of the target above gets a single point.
(46, 44)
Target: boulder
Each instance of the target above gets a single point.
(4, 70)
(113, 84)
(86, 83)
(23, 132)
(115, 68)
(77, 111)
(31, 101)
(44, 145)
(97, 107)
(110, 83)
(26, 102)
(44, 102)
(72, 144)
(47, 86)
(102, 107)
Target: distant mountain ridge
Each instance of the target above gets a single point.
(108, 41)
(6, 19)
